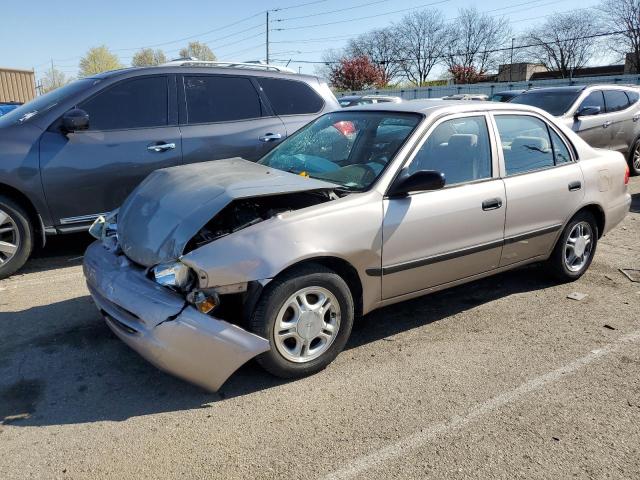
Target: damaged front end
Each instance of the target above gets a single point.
(166, 310)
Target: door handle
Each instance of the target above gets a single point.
(492, 204)
(270, 137)
(574, 186)
(161, 147)
(606, 124)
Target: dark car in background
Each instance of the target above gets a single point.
(77, 152)
(506, 95)
(605, 116)
(6, 107)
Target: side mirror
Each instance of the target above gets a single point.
(75, 120)
(420, 181)
(587, 111)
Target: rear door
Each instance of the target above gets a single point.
(295, 102)
(619, 119)
(132, 132)
(223, 116)
(544, 185)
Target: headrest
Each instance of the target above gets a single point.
(460, 140)
(530, 144)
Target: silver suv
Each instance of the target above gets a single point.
(605, 116)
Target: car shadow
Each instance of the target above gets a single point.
(635, 203)
(60, 251)
(77, 371)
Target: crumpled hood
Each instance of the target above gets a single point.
(171, 205)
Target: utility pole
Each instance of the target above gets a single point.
(267, 38)
(511, 65)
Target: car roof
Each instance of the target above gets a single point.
(205, 69)
(430, 107)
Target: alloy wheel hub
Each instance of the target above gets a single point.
(310, 325)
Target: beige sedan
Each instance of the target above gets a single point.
(206, 266)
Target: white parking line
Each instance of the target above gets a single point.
(423, 437)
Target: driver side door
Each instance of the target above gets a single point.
(436, 237)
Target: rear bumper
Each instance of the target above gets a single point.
(616, 213)
(158, 324)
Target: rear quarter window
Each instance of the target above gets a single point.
(633, 96)
(291, 97)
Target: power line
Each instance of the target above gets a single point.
(331, 11)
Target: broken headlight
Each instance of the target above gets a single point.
(105, 229)
(176, 275)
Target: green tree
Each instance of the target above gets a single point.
(52, 79)
(98, 60)
(148, 57)
(198, 50)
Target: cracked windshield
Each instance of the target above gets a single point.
(350, 149)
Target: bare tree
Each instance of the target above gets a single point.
(474, 38)
(422, 38)
(619, 15)
(52, 79)
(330, 59)
(561, 43)
(382, 47)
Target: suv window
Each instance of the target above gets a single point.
(594, 99)
(136, 103)
(220, 99)
(525, 143)
(291, 97)
(633, 96)
(459, 148)
(615, 100)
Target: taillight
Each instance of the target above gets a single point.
(345, 127)
(626, 174)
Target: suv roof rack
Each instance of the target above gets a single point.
(193, 62)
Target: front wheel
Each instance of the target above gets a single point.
(575, 249)
(306, 315)
(16, 237)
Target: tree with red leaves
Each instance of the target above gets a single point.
(357, 73)
(462, 74)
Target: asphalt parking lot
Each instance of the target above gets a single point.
(502, 378)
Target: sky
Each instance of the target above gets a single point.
(35, 32)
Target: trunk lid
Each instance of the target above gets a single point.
(171, 205)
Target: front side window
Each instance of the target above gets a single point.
(137, 103)
(213, 99)
(528, 144)
(459, 148)
(291, 97)
(615, 100)
(594, 99)
(350, 149)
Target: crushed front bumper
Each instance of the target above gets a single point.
(158, 323)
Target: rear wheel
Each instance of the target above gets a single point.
(16, 237)
(306, 315)
(575, 249)
(634, 158)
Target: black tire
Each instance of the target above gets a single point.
(556, 262)
(24, 241)
(273, 298)
(633, 169)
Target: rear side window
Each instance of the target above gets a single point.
(459, 148)
(137, 103)
(594, 99)
(615, 100)
(633, 96)
(291, 97)
(526, 145)
(220, 99)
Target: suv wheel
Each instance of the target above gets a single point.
(16, 237)
(634, 158)
(575, 249)
(306, 315)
